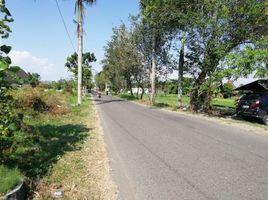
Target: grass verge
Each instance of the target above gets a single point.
(81, 172)
(170, 100)
(9, 179)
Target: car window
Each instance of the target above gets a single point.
(251, 96)
(264, 100)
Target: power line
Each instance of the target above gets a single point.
(62, 19)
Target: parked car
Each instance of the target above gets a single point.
(254, 105)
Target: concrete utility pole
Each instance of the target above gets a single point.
(79, 51)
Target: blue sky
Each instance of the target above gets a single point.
(39, 41)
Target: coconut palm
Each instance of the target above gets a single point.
(80, 8)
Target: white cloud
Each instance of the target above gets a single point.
(31, 63)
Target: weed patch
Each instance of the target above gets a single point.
(9, 179)
(41, 101)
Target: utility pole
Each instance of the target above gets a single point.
(79, 51)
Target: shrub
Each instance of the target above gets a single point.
(41, 101)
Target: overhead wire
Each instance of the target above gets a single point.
(64, 24)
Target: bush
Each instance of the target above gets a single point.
(10, 123)
(41, 101)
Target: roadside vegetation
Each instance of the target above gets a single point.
(170, 100)
(9, 179)
(53, 144)
(46, 140)
(37, 142)
(60, 147)
(40, 122)
(208, 53)
(81, 166)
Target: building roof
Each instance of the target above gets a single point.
(13, 78)
(255, 86)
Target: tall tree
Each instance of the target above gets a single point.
(219, 28)
(87, 59)
(101, 80)
(150, 19)
(216, 28)
(172, 17)
(81, 9)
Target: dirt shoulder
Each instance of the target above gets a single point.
(83, 173)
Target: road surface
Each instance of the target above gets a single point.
(160, 155)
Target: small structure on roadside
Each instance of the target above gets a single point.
(17, 79)
(256, 86)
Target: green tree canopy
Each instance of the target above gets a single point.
(71, 64)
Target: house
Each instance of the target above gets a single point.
(16, 79)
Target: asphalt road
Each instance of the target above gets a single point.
(163, 155)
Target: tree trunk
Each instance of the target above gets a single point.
(180, 72)
(137, 93)
(208, 98)
(195, 101)
(129, 86)
(79, 52)
(153, 74)
(142, 91)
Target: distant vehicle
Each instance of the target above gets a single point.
(254, 105)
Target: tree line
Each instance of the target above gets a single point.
(209, 41)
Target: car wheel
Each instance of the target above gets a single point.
(265, 120)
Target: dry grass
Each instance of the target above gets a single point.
(84, 173)
(51, 102)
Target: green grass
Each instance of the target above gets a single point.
(9, 178)
(224, 102)
(81, 172)
(49, 137)
(170, 100)
(127, 97)
(46, 137)
(56, 135)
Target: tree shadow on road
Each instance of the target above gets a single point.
(162, 105)
(103, 101)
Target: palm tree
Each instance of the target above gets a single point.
(80, 7)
